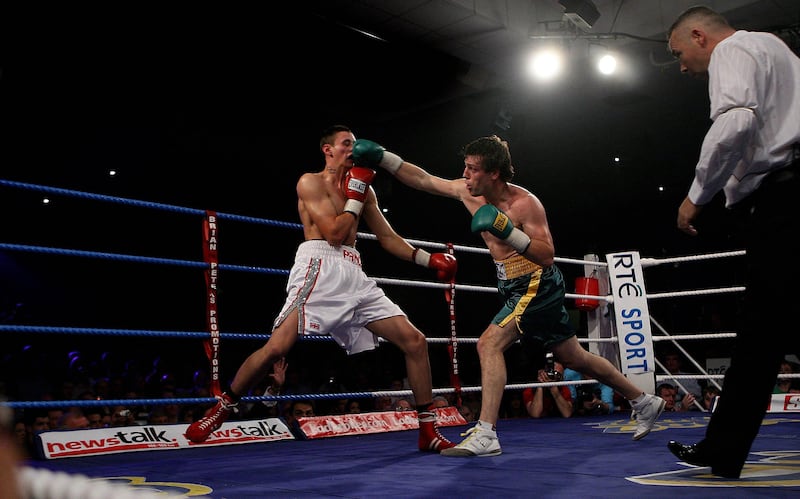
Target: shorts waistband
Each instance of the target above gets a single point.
(318, 248)
(514, 267)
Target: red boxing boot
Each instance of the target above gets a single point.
(430, 439)
(213, 419)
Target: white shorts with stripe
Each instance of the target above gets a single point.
(334, 296)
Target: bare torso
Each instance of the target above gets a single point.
(518, 203)
(325, 202)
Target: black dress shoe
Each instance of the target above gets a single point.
(689, 453)
(695, 455)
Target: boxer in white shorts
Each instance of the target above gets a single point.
(334, 296)
(329, 293)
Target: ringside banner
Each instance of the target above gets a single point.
(372, 422)
(93, 442)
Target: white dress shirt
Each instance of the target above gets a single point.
(754, 88)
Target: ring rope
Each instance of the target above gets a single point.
(246, 268)
(67, 192)
(175, 334)
(649, 262)
(701, 336)
(697, 292)
(41, 483)
(145, 204)
(682, 350)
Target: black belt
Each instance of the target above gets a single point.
(788, 172)
(783, 175)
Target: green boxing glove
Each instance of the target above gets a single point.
(489, 218)
(370, 154)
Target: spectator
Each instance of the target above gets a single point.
(513, 406)
(466, 413)
(298, 409)
(188, 413)
(157, 416)
(548, 401)
(396, 385)
(301, 408)
(354, 407)
(21, 433)
(122, 416)
(710, 393)
(36, 421)
(785, 385)
(403, 405)
(173, 410)
(385, 404)
(274, 388)
(674, 365)
(73, 419)
(440, 401)
(669, 393)
(94, 416)
(339, 406)
(54, 416)
(594, 399)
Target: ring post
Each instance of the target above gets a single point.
(597, 327)
(632, 319)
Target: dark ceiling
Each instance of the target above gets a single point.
(220, 108)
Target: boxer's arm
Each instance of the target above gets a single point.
(371, 154)
(356, 188)
(389, 240)
(531, 220)
(490, 219)
(444, 264)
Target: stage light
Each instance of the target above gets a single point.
(607, 64)
(581, 13)
(546, 64)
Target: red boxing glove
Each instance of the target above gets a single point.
(356, 187)
(444, 263)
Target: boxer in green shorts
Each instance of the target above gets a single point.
(513, 224)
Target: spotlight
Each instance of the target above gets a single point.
(607, 64)
(546, 64)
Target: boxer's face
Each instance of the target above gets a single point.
(476, 177)
(340, 152)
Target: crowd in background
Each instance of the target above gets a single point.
(108, 377)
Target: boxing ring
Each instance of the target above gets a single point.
(552, 457)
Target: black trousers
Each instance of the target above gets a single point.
(770, 220)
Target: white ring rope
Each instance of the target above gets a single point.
(683, 351)
(697, 292)
(649, 262)
(40, 483)
(645, 262)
